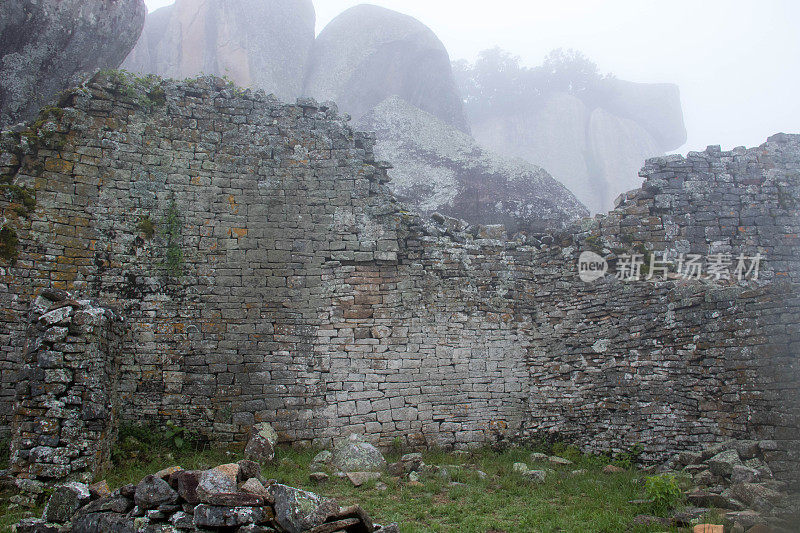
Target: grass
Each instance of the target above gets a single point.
(464, 501)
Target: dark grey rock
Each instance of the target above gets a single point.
(218, 516)
(65, 502)
(153, 491)
(51, 45)
(261, 445)
(298, 510)
(722, 464)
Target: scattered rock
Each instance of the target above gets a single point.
(222, 516)
(612, 469)
(167, 472)
(65, 502)
(99, 490)
(746, 519)
(248, 469)
(219, 480)
(355, 455)
(318, 477)
(297, 510)
(261, 446)
(708, 528)
(722, 464)
(153, 491)
(559, 460)
(254, 486)
(360, 478)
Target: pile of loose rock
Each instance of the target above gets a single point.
(734, 476)
(231, 498)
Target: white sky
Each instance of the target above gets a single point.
(737, 62)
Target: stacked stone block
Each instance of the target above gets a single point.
(267, 275)
(65, 418)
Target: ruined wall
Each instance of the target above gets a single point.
(266, 274)
(67, 411)
(256, 255)
(673, 363)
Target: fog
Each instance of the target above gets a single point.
(736, 61)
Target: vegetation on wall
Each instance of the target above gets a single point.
(172, 229)
(145, 91)
(9, 244)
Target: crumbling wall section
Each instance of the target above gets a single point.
(66, 413)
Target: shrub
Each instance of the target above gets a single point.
(665, 492)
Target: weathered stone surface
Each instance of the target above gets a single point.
(104, 523)
(65, 502)
(355, 455)
(261, 445)
(254, 486)
(263, 44)
(49, 46)
(218, 516)
(218, 480)
(595, 150)
(309, 298)
(437, 168)
(35, 525)
(656, 107)
(153, 491)
(361, 478)
(297, 510)
(723, 463)
(756, 496)
(369, 53)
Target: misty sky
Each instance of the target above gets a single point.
(737, 62)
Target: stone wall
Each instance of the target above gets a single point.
(266, 274)
(66, 415)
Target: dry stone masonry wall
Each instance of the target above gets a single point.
(66, 415)
(266, 274)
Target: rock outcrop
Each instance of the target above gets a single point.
(369, 53)
(256, 43)
(596, 150)
(47, 46)
(440, 169)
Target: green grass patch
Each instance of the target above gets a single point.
(478, 493)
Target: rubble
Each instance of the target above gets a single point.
(222, 504)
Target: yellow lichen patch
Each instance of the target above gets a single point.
(197, 180)
(58, 165)
(232, 202)
(237, 232)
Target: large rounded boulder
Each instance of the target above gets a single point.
(263, 44)
(369, 53)
(439, 169)
(356, 455)
(47, 46)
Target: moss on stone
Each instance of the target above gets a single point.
(9, 244)
(146, 226)
(24, 197)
